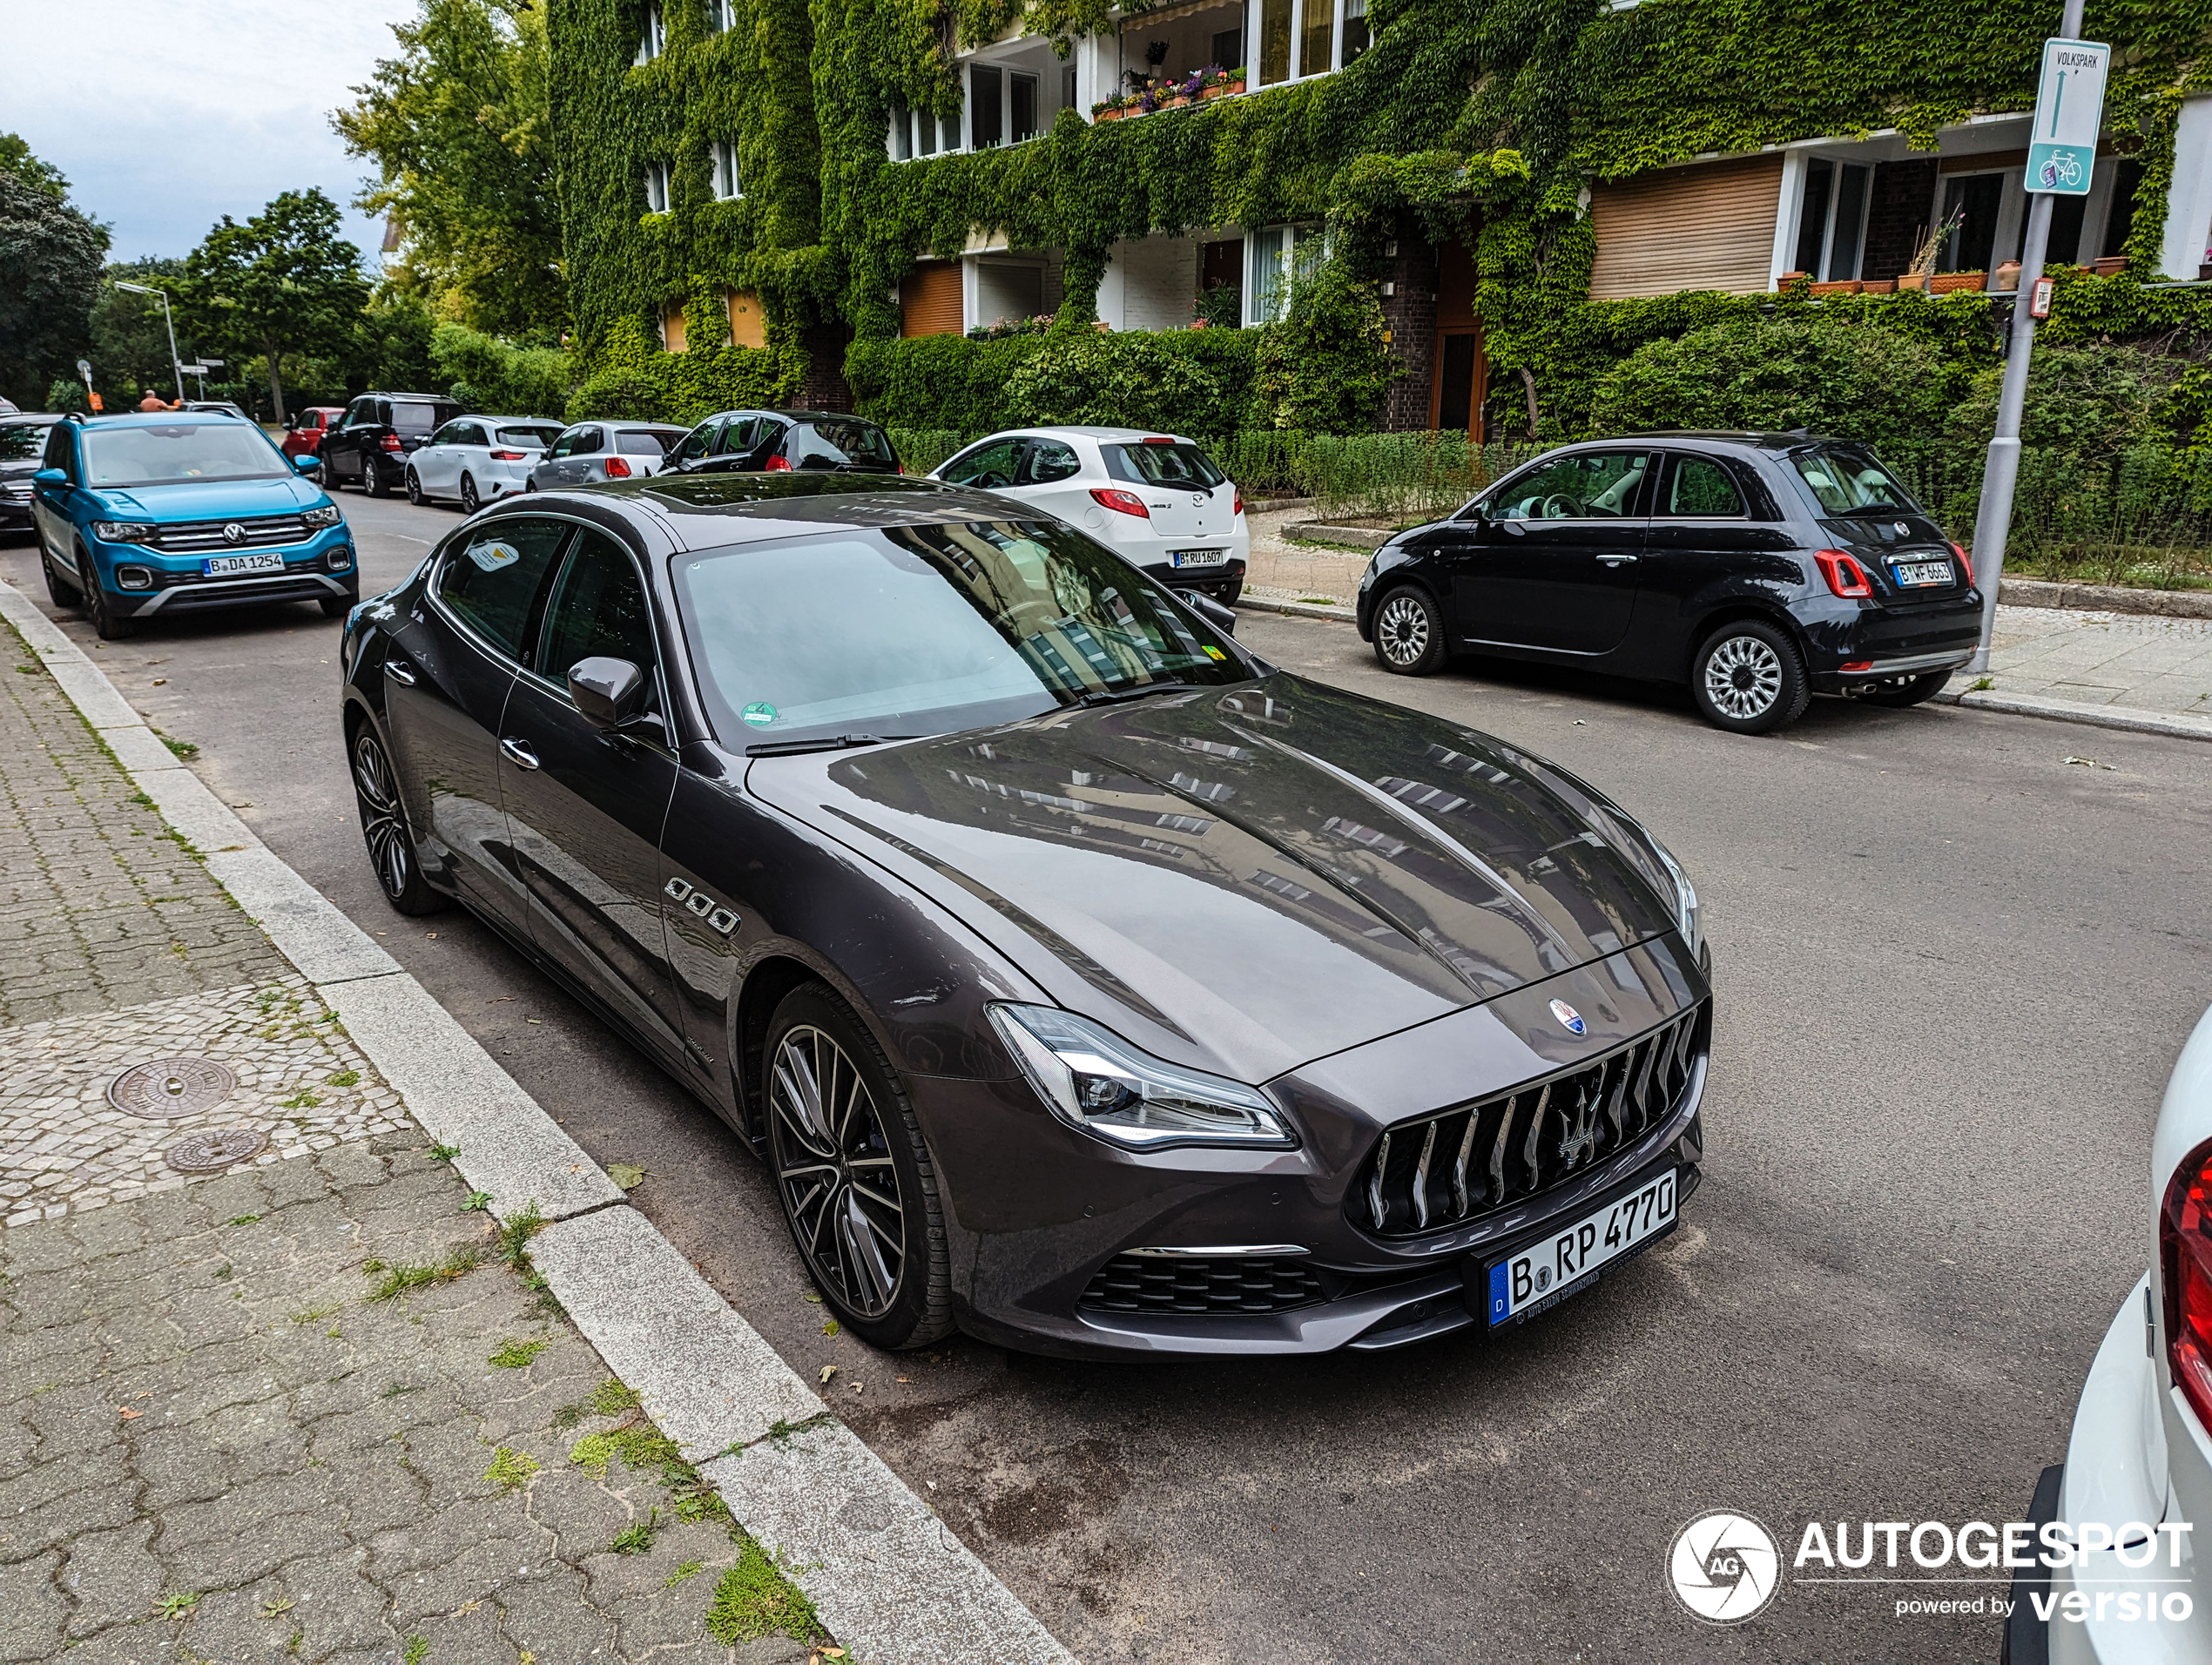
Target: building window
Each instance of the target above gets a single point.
(728, 184)
(901, 142)
(1977, 200)
(1357, 35)
(1283, 256)
(1317, 35)
(1274, 41)
(654, 41)
(1831, 224)
(655, 187)
(1022, 91)
(986, 111)
(721, 17)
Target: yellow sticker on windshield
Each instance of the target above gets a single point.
(492, 557)
(1216, 653)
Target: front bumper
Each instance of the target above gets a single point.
(15, 512)
(1042, 1217)
(179, 585)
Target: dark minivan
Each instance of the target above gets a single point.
(754, 441)
(1760, 568)
(370, 448)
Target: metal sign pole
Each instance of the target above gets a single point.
(1995, 518)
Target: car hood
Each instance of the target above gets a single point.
(1250, 878)
(211, 499)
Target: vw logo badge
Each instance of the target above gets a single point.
(233, 533)
(1569, 1019)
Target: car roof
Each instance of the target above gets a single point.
(486, 417)
(161, 418)
(1072, 431)
(789, 416)
(49, 417)
(710, 511)
(623, 426)
(1759, 440)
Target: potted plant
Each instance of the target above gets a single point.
(1237, 79)
(1215, 82)
(1951, 283)
(1916, 275)
(2110, 266)
(1837, 286)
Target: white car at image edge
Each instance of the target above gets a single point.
(2140, 1452)
(474, 460)
(1156, 500)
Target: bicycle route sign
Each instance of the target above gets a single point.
(2069, 105)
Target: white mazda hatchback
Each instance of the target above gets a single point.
(1156, 500)
(2136, 1487)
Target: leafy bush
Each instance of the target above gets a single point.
(633, 377)
(488, 374)
(1188, 381)
(923, 450)
(1855, 380)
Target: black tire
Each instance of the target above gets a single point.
(1228, 593)
(110, 626)
(414, 488)
(63, 593)
(336, 606)
(828, 1164)
(1898, 692)
(1409, 632)
(1747, 678)
(470, 503)
(373, 480)
(530, 485)
(384, 828)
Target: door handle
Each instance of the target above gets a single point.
(518, 754)
(1613, 560)
(398, 671)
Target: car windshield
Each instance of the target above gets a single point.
(934, 629)
(175, 452)
(826, 439)
(1154, 463)
(1848, 480)
(539, 437)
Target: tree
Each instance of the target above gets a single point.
(50, 272)
(283, 282)
(458, 127)
(130, 338)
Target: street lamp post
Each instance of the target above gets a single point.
(175, 363)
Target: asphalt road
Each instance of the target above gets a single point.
(1955, 966)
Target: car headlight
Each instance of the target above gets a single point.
(325, 514)
(1686, 918)
(124, 532)
(1094, 1079)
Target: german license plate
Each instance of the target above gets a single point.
(1199, 557)
(1549, 1271)
(1914, 574)
(225, 566)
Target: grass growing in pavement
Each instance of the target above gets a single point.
(754, 1600)
(418, 1649)
(516, 1355)
(514, 1236)
(638, 1537)
(685, 1570)
(510, 1467)
(397, 1280)
(177, 1604)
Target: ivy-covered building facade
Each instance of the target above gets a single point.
(1328, 214)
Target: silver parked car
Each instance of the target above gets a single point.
(474, 459)
(589, 452)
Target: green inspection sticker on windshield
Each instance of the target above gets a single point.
(759, 714)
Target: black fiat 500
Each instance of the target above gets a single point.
(1760, 568)
(1088, 984)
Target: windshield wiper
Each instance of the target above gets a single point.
(827, 743)
(1115, 695)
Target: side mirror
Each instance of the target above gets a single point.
(49, 477)
(1220, 615)
(307, 463)
(609, 693)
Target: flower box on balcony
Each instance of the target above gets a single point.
(2110, 266)
(1839, 287)
(1947, 283)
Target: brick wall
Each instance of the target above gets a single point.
(1410, 316)
(826, 388)
(1897, 217)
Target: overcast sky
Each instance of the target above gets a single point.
(165, 115)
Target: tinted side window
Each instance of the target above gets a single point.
(696, 443)
(738, 435)
(587, 441)
(988, 466)
(492, 577)
(411, 418)
(598, 610)
(60, 454)
(639, 444)
(1700, 486)
(362, 413)
(1047, 461)
(449, 434)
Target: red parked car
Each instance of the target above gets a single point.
(304, 437)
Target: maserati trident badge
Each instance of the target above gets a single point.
(1569, 1019)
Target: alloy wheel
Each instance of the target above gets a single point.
(1743, 677)
(383, 823)
(841, 1186)
(469, 502)
(413, 488)
(1402, 630)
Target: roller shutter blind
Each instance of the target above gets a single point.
(1706, 226)
(929, 299)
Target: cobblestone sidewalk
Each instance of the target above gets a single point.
(311, 1406)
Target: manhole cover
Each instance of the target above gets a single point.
(169, 1087)
(218, 1148)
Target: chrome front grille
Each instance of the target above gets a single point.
(1181, 1284)
(206, 537)
(1445, 1170)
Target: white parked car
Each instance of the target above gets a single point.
(473, 460)
(587, 453)
(1156, 500)
(2139, 1460)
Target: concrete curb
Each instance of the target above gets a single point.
(2105, 598)
(1350, 537)
(1298, 609)
(705, 1375)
